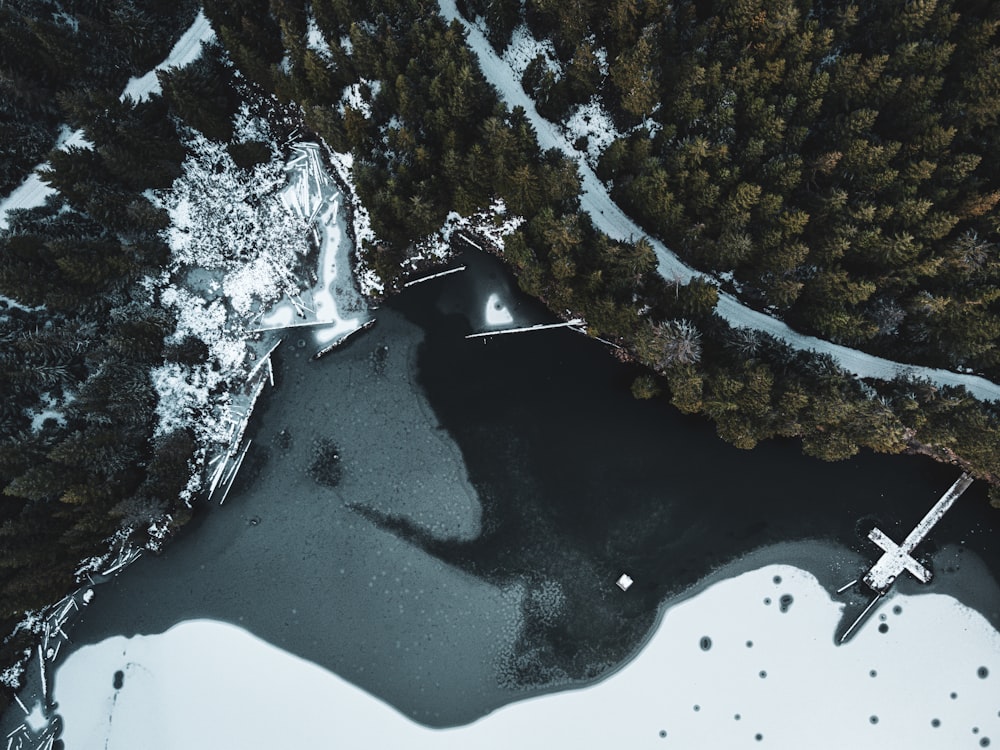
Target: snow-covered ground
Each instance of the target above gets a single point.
(524, 48)
(184, 52)
(496, 312)
(239, 245)
(610, 219)
(33, 192)
(493, 224)
(592, 121)
(748, 662)
(313, 196)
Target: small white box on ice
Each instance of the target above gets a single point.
(624, 582)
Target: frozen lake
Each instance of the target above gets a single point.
(490, 493)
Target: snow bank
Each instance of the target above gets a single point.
(611, 220)
(496, 313)
(359, 96)
(235, 249)
(591, 121)
(316, 41)
(749, 660)
(313, 196)
(492, 224)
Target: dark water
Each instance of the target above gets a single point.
(380, 578)
(582, 481)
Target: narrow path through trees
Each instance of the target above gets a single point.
(611, 220)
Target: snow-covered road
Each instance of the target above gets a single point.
(33, 192)
(611, 220)
(184, 52)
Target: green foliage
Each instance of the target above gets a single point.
(645, 387)
(831, 158)
(46, 58)
(202, 94)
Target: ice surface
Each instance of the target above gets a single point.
(752, 655)
(496, 312)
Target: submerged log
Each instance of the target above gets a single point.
(433, 276)
(336, 344)
(539, 327)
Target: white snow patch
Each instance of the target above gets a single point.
(761, 671)
(346, 44)
(592, 121)
(66, 19)
(359, 96)
(316, 41)
(29, 194)
(235, 247)
(524, 48)
(250, 127)
(184, 52)
(314, 196)
(496, 312)
(223, 219)
(601, 54)
(11, 676)
(14, 304)
(493, 224)
(49, 410)
(32, 192)
(36, 720)
(368, 281)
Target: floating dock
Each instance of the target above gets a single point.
(899, 557)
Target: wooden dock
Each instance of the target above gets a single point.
(899, 557)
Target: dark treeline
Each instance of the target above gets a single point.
(91, 469)
(840, 159)
(51, 52)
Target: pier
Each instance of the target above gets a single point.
(897, 558)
